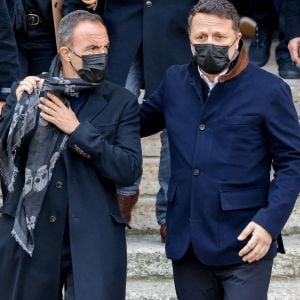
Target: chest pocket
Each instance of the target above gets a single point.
(239, 137)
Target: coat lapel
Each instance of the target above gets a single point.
(95, 104)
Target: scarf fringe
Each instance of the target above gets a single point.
(20, 242)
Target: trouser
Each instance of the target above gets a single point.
(194, 280)
(269, 14)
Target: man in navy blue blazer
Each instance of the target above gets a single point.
(229, 122)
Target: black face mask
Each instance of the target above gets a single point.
(93, 67)
(210, 58)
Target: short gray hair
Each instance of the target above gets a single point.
(68, 24)
(220, 8)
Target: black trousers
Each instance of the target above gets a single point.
(196, 281)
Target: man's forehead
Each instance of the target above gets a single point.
(203, 21)
(88, 29)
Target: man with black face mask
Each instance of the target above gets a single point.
(67, 138)
(228, 122)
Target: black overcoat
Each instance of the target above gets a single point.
(102, 152)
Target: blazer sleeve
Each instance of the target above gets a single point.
(121, 161)
(151, 113)
(283, 138)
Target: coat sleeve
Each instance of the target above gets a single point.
(9, 107)
(9, 70)
(292, 18)
(283, 138)
(120, 162)
(151, 113)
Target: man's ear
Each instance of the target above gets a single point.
(239, 36)
(65, 54)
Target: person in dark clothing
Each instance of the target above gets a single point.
(292, 21)
(9, 70)
(35, 36)
(269, 17)
(229, 122)
(74, 136)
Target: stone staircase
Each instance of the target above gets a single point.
(150, 273)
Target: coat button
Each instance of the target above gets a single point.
(59, 184)
(202, 127)
(196, 172)
(148, 3)
(52, 219)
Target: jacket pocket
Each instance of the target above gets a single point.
(243, 199)
(172, 191)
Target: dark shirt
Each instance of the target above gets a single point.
(76, 103)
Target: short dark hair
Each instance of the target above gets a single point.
(221, 8)
(68, 24)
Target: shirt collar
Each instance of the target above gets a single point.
(216, 79)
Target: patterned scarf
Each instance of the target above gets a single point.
(43, 144)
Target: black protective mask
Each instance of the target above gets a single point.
(93, 67)
(210, 58)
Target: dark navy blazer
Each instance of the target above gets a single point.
(221, 151)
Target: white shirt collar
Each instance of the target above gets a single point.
(216, 79)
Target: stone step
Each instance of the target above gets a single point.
(146, 258)
(144, 218)
(163, 289)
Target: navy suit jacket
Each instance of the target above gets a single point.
(222, 150)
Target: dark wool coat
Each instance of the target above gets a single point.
(160, 24)
(222, 149)
(103, 151)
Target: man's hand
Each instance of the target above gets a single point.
(92, 4)
(259, 244)
(294, 47)
(28, 85)
(54, 111)
(2, 103)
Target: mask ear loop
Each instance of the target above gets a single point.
(236, 53)
(229, 45)
(77, 54)
(71, 61)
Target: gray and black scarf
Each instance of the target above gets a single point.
(43, 144)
